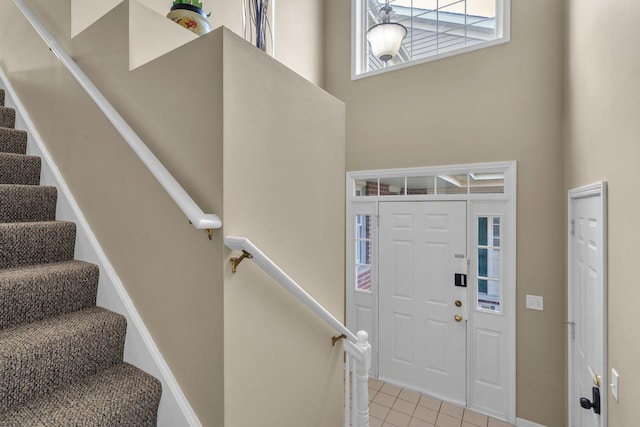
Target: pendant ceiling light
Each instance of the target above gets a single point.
(385, 38)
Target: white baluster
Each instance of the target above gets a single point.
(354, 393)
(362, 381)
(347, 391)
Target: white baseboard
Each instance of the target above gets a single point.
(140, 349)
(524, 423)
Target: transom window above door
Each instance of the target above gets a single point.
(435, 29)
(479, 181)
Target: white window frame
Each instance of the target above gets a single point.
(359, 43)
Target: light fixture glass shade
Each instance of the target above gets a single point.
(385, 39)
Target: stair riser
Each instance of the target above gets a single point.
(29, 295)
(36, 243)
(7, 117)
(27, 203)
(13, 141)
(19, 169)
(57, 355)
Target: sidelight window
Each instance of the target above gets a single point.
(363, 252)
(489, 272)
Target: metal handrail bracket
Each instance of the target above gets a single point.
(245, 245)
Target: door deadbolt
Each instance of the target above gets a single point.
(457, 317)
(458, 303)
(596, 380)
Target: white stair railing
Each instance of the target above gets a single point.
(356, 346)
(191, 210)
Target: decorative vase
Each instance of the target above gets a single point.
(190, 17)
(256, 16)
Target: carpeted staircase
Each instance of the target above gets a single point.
(60, 355)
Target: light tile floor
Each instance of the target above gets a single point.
(391, 406)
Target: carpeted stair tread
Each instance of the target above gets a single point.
(29, 243)
(27, 203)
(13, 141)
(7, 117)
(39, 357)
(19, 169)
(122, 395)
(60, 355)
(33, 293)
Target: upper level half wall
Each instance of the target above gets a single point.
(297, 27)
(497, 104)
(168, 268)
(284, 145)
(603, 134)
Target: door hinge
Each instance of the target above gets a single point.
(573, 227)
(572, 329)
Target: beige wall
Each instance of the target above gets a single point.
(284, 190)
(172, 272)
(501, 103)
(603, 134)
(299, 27)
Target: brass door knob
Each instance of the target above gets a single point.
(458, 303)
(457, 317)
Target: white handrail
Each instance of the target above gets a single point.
(357, 348)
(192, 211)
(244, 244)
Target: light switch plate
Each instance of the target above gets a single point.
(615, 379)
(535, 302)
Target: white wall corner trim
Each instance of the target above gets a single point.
(524, 423)
(140, 349)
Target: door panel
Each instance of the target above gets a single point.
(436, 358)
(364, 318)
(403, 338)
(488, 363)
(421, 345)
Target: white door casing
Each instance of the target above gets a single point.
(587, 304)
(422, 345)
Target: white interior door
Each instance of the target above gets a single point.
(587, 299)
(422, 332)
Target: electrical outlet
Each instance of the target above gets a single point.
(535, 302)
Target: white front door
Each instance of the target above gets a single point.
(587, 299)
(422, 313)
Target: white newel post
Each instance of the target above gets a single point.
(362, 380)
